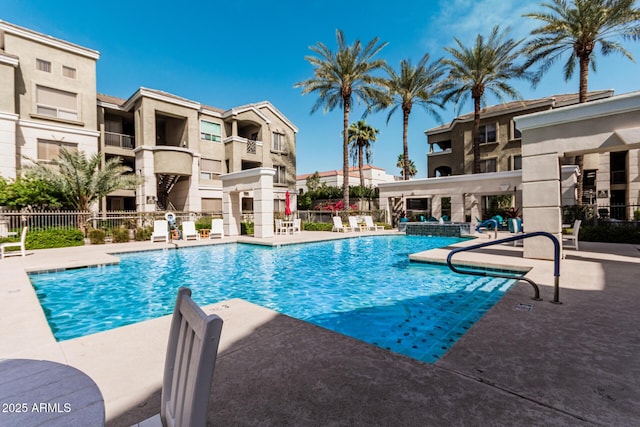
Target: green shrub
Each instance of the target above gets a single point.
(317, 226)
(636, 214)
(119, 235)
(204, 223)
(143, 234)
(610, 233)
(53, 238)
(96, 236)
(246, 228)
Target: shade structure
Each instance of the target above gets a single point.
(287, 204)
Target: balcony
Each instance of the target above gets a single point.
(172, 161)
(112, 139)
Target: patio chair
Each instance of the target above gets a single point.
(515, 227)
(217, 228)
(20, 244)
(189, 231)
(296, 226)
(572, 237)
(370, 225)
(189, 364)
(160, 231)
(280, 228)
(353, 224)
(337, 225)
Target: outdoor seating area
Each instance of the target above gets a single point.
(356, 223)
(20, 245)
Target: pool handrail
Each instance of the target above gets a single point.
(536, 297)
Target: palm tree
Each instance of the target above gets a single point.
(342, 77)
(576, 28)
(488, 65)
(414, 85)
(361, 136)
(407, 170)
(81, 181)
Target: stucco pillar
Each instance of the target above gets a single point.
(231, 212)
(633, 179)
(263, 207)
(8, 154)
(436, 207)
(603, 179)
(457, 208)
(541, 196)
(148, 190)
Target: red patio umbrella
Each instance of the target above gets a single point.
(287, 204)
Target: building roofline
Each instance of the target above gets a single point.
(48, 40)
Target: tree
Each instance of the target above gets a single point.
(414, 85)
(342, 77)
(576, 29)
(313, 181)
(30, 191)
(488, 65)
(410, 167)
(361, 136)
(81, 181)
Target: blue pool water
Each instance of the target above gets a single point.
(362, 287)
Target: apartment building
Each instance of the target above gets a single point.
(606, 177)
(373, 176)
(180, 147)
(47, 98)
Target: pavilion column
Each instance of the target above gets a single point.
(541, 203)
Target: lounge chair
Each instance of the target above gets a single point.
(160, 231)
(189, 364)
(353, 224)
(337, 225)
(20, 244)
(515, 227)
(189, 231)
(370, 225)
(572, 237)
(217, 228)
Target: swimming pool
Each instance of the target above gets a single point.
(362, 287)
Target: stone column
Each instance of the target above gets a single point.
(541, 197)
(457, 208)
(263, 207)
(231, 212)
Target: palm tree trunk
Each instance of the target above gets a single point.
(405, 145)
(360, 165)
(345, 154)
(475, 134)
(584, 87)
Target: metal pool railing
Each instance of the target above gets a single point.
(536, 297)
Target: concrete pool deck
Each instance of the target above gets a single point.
(571, 364)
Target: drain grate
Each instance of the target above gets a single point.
(523, 307)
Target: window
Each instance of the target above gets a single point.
(211, 205)
(488, 165)
(517, 163)
(43, 65)
(281, 175)
(488, 133)
(279, 142)
(56, 103)
(210, 131)
(210, 169)
(69, 72)
(49, 150)
(515, 132)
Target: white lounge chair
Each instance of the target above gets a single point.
(370, 225)
(572, 237)
(217, 228)
(353, 224)
(189, 364)
(20, 244)
(4, 230)
(337, 225)
(189, 231)
(160, 231)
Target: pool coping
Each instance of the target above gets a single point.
(475, 381)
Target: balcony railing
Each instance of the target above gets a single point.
(113, 139)
(619, 177)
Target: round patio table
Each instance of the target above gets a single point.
(45, 393)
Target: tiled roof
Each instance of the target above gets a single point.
(353, 172)
(110, 99)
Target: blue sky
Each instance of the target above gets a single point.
(227, 54)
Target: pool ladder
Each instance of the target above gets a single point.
(536, 297)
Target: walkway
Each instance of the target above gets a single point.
(570, 364)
